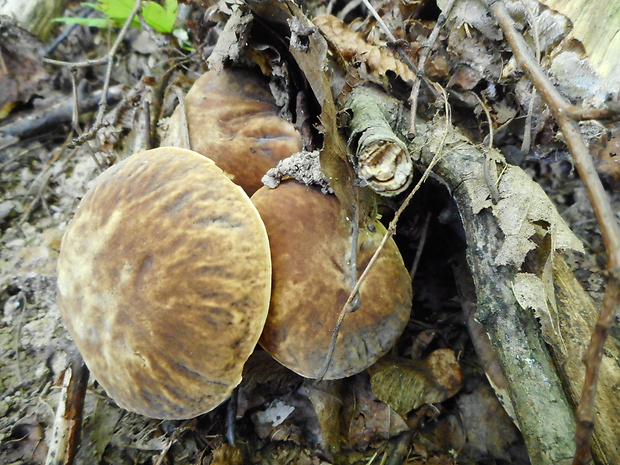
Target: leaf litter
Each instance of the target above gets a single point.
(526, 216)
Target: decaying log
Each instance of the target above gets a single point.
(576, 323)
(535, 379)
(57, 114)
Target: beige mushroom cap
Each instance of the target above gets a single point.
(232, 119)
(164, 279)
(310, 243)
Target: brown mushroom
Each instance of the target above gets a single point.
(163, 282)
(232, 118)
(311, 243)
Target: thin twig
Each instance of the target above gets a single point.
(37, 121)
(231, 417)
(173, 438)
(75, 115)
(487, 113)
(490, 175)
(400, 49)
(180, 95)
(612, 112)
(527, 130)
(603, 211)
(389, 233)
(399, 448)
(421, 244)
(108, 59)
(68, 422)
(67, 32)
(526, 143)
(426, 50)
(43, 179)
(21, 299)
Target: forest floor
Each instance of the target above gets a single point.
(277, 420)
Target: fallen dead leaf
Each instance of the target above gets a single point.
(488, 428)
(21, 72)
(407, 384)
(367, 419)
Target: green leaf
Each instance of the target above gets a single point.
(117, 11)
(101, 23)
(93, 5)
(160, 19)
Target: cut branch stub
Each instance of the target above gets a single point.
(164, 279)
(311, 242)
(383, 160)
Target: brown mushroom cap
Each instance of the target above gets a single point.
(310, 243)
(164, 279)
(232, 119)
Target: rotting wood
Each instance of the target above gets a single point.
(543, 412)
(579, 315)
(595, 25)
(605, 216)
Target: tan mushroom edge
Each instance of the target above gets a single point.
(232, 118)
(164, 280)
(310, 244)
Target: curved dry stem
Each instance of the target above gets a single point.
(390, 232)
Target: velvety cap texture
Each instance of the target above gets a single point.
(311, 244)
(164, 279)
(232, 119)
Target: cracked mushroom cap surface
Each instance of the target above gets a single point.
(164, 280)
(310, 242)
(232, 118)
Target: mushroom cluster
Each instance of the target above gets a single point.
(165, 272)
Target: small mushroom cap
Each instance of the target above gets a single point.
(310, 243)
(232, 119)
(164, 278)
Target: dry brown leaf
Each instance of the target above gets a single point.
(98, 429)
(226, 454)
(523, 206)
(528, 218)
(407, 384)
(25, 443)
(263, 380)
(489, 429)
(309, 49)
(473, 13)
(478, 58)
(326, 399)
(272, 422)
(368, 420)
(232, 40)
(606, 155)
(21, 72)
(352, 46)
(532, 294)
